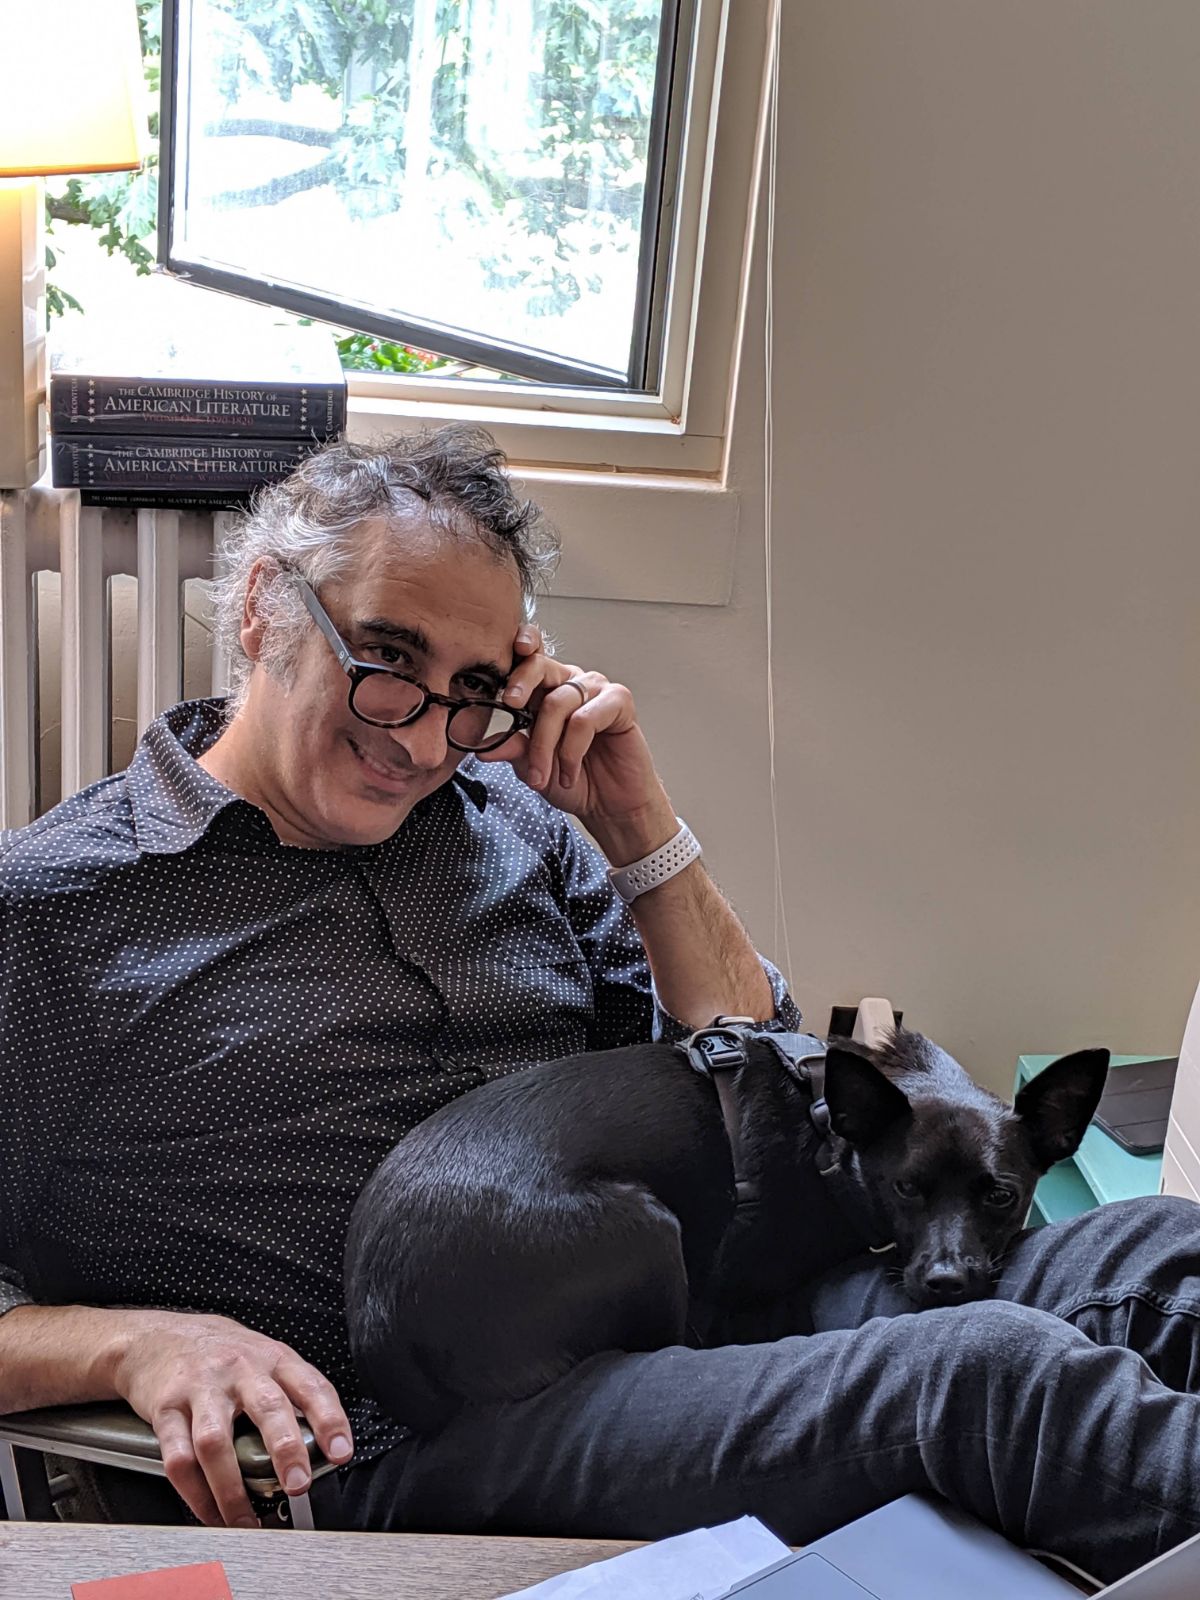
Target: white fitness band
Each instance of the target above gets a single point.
(658, 866)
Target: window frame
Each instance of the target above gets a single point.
(679, 426)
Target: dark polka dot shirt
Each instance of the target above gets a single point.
(209, 1039)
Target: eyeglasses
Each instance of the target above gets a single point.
(387, 699)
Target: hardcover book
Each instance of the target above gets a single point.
(203, 500)
(169, 463)
(278, 384)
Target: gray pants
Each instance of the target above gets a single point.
(1065, 1412)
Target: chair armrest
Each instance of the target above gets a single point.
(112, 1433)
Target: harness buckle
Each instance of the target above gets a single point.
(819, 1116)
(721, 1047)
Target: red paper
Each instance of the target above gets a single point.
(205, 1581)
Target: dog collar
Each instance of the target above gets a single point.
(720, 1051)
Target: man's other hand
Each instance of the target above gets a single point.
(189, 1376)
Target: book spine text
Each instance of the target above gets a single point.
(160, 464)
(80, 404)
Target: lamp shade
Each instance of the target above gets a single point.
(72, 97)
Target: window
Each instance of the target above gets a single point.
(656, 395)
(596, 254)
(491, 179)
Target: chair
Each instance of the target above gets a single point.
(110, 1435)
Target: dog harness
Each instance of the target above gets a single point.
(720, 1051)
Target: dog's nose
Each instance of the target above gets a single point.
(945, 1283)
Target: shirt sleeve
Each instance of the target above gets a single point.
(12, 1290)
(628, 1009)
(47, 1057)
(785, 1019)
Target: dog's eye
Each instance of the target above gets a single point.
(906, 1188)
(1000, 1198)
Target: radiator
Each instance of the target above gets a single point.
(68, 579)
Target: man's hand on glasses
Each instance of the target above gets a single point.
(585, 752)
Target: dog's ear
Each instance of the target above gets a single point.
(1058, 1104)
(862, 1102)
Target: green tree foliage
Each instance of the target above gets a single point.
(592, 90)
(596, 86)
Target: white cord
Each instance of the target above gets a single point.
(772, 136)
(1061, 1561)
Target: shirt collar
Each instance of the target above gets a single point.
(474, 788)
(174, 800)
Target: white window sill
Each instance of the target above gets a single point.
(545, 428)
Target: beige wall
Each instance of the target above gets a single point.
(987, 541)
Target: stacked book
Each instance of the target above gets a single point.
(184, 421)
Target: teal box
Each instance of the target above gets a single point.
(1099, 1171)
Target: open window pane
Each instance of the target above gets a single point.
(481, 177)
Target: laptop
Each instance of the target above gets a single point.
(920, 1549)
(1136, 1104)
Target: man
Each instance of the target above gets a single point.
(234, 975)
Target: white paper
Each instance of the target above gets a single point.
(703, 1565)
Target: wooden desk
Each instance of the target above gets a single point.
(41, 1560)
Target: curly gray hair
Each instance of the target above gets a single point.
(455, 477)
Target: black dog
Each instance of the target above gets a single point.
(614, 1201)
